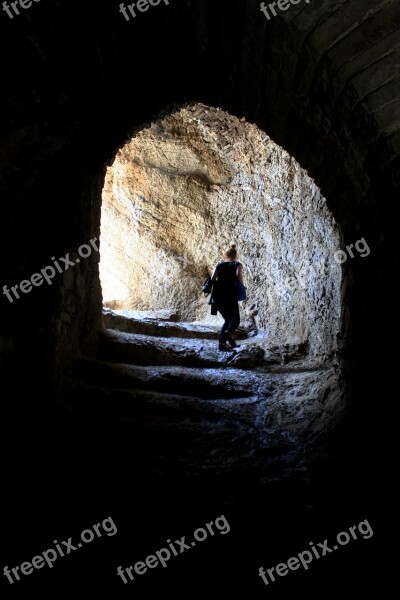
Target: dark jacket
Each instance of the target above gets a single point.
(224, 292)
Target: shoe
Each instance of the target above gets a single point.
(223, 347)
(232, 342)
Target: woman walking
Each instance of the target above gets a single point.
(225, 295)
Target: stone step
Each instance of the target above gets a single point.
(139, 349)
(188, 433)
(287, 406)
(201, 383)
(158, 314)
(126, 321)
(154, 408)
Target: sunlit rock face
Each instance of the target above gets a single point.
(189, 184)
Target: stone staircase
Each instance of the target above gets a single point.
(167, 384)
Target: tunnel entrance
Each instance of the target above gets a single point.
(177, 193)
(189, 184)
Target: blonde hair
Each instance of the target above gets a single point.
(230, 252)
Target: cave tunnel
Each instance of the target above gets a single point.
(318, 84)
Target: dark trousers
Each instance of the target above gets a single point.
(230, 314)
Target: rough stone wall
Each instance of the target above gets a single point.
(189, 184)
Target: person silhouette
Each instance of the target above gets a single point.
(224, 295)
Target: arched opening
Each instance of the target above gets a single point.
(186, 186)
(176, 194)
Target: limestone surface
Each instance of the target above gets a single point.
(188, 185)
